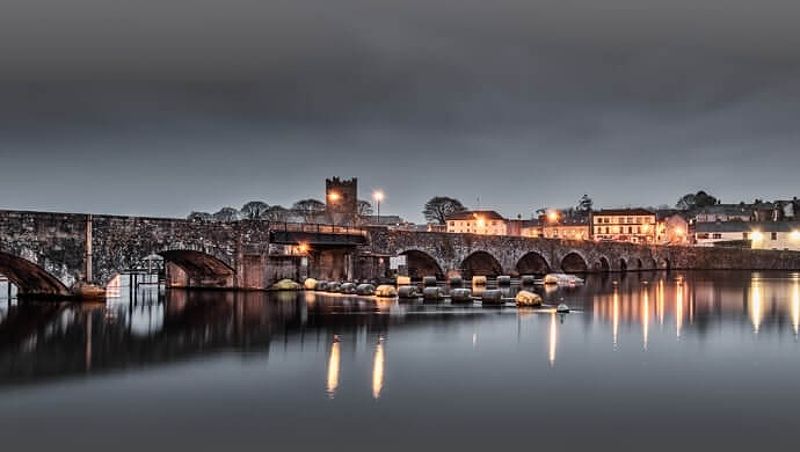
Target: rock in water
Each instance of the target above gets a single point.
(461, 296)
(429, 281)
(492, 297)
(385, 291)
(348, 288)
(562, 309)
(503, 281)
(478, 280)
(456, 282)
(310, 284)
(525, 298)
(407, 292)
(432, 294)
(365, 289)
(286, 284)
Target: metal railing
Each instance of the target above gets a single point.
(316, 228)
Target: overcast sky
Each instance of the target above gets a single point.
(163, 107)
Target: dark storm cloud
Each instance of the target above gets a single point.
(632, 101)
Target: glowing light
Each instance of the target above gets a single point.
(334, 196)
(303, 248)
(334, 360)
(679, 232)
(377, 370)
(795, 234)
(552, 216)
(553, 339)
(378, 196)
(757, 236)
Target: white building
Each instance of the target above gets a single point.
(773, 235)
(486, 222)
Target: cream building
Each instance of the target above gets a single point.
(624, 225)
(486, 222)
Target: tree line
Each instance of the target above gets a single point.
(303, 211)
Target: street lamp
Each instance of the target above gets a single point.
(378, 197)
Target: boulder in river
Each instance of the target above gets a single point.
(526, 298)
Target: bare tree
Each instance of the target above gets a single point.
(254, 210)
(308, 210)
(227, 214)
(440, 207)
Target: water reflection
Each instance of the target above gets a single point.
(553, 339)
(377, 369)
(45, 340)
(334, 361)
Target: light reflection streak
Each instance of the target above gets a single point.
(678, 309)
(377, 370)
(615, 316)
(553, 339)
(796, 305)
(756, 300)
(660, 302)
(332, 383)
(645, 317)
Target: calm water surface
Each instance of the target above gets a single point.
(650, 361)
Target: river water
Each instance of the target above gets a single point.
(652, 361)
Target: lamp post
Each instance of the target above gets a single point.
(378, 197)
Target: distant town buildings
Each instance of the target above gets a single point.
(624, 225)
(672, 227)
(486, 222)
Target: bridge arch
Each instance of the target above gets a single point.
(603, 265)
(573, 262)
(421, 264)
(532, 263)
(623, 264)
(183, 268)
(30, 278)
(480, 263)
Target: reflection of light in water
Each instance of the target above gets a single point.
(678, 309)
(333, 369)
(796, 305)
(615, 316)
(553, 339)
(474, 339)
(660, 302)
(645, 317)
(114, 287)
(377, 370)
(756, 299)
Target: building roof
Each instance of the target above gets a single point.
(472, 214)
(727, 209)
(742, 226)
(623, 212)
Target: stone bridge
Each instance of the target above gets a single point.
(49, 254)
(444, 254)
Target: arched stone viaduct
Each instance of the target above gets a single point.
(47, 254)
(465, 254)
